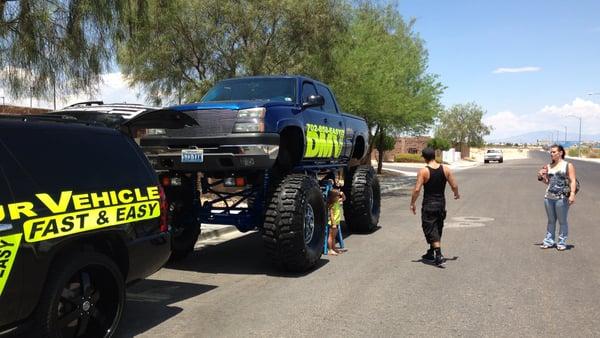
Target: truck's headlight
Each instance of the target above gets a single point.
(250, 120)
(249, 127)
(252, 113)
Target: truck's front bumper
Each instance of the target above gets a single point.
(234, 152)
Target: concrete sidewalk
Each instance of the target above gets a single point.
(586, 159)
(397, 166)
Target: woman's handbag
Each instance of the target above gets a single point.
(567, 189)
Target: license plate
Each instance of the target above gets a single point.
(192, 156)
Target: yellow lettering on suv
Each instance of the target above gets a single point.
(73, 213)
(8, 251)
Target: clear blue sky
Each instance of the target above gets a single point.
(558, 40)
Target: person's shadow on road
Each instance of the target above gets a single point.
(427, 262)
(569, 246)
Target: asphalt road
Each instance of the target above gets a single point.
(497, 281)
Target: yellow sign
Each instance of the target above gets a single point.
(73, 213)
(41, 229)
(8, 251)
(323, 141)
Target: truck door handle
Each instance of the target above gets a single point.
(340, 123)
(325, 120)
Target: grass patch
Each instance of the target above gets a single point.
(413, 158)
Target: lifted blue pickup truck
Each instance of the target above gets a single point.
(261, 147)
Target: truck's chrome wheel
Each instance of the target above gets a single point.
(309, 224)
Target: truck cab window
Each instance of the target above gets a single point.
(308, 89)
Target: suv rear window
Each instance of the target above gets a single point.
(74, 157)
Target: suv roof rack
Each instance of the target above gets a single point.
(85, 104)
(49, 118)
(127, 110)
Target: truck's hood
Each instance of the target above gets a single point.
(194, 119)
(234, 105)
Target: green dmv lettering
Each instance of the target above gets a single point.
(323, 141)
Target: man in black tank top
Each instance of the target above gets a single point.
(433, 211)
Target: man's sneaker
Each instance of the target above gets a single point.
(546, 246)
(428, 257)
(439, 260)
(561, 247)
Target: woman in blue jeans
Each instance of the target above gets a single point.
(556, 200)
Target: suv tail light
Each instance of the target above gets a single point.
(164, 210)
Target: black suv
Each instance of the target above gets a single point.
(81, 215)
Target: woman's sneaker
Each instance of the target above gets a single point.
(546, 246)
(561, 247)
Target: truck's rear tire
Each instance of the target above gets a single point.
(294, 226)
(363, 199)
(84, 296)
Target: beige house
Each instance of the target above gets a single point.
(18, 110)
(405, 145)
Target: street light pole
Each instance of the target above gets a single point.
(565, 135)
(579, 145)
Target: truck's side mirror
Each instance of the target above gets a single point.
(313, 101)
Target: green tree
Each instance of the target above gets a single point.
(177, 49)
(383, 143)
(381, 73)
(438, 143)
(462, 125)
(55, 47)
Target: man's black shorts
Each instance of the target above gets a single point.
(432, 217)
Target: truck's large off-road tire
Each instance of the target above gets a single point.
(363, 199)
(84, 296)
(294, 226)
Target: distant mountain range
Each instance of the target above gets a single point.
(545, 136)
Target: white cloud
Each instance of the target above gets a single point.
(507, 123)
(527, 69)
(113, 88)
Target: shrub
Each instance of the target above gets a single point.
(408, 158)
(573, 152)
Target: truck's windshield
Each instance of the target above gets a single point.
(268, 89)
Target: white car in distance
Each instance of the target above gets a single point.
(493, 155)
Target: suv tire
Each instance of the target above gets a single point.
(84, 296)
(294, 227)
(363, 204)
